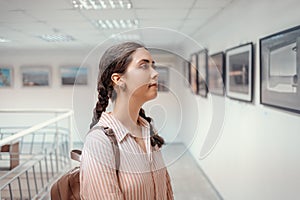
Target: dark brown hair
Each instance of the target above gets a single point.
(116, 60)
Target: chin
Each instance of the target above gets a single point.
(151, 96)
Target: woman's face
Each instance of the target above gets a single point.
(140, 77)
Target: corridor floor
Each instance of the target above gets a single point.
(188, 180)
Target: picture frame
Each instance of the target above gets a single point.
(202, 72)
(239, 72)
(163, 78)
(194, 73)
(186, 73)
(189, 71)
(36, 76)
(6, 77)
(280, 70)
(73, 75)
(216, 74)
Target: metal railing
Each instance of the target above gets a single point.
(36, 155)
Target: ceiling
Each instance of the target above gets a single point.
(22, 21)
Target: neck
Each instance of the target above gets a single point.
(127, 112)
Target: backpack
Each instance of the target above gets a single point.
(67, 187)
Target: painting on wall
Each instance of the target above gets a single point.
(239, 66)
(163, 78)
(202, 72)
(194, 73)
(35, 76)
(73, 75)
(280, 69)
(5, 77)
(216, 74)
(186, 73)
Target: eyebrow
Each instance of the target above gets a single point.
(147, 61)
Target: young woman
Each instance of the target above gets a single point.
(127, 76)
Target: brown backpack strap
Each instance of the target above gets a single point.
(111, 135)
(76, 154)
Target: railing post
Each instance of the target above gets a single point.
(56, 143)
(70, 135)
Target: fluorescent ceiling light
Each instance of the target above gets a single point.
(102, 4)
(56, 38)
(117, 24)
(126, 37)
(3, 40)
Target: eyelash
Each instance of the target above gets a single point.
(147, 65)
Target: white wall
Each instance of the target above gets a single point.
(257, 156)
(82, 99)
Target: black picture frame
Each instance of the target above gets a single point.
(239, 72)
(194, 73)
(216, 74)
(202, 72)
(280, 70)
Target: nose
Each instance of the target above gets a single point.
(154, 74)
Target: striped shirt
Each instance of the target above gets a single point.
(142, 175)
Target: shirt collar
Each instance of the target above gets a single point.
(107, 119)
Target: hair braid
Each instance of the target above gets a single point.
(104, 93)
(154, 137)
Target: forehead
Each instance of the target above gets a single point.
(141, 54)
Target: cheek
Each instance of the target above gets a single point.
(138, 81)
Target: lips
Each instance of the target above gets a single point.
(153, 84)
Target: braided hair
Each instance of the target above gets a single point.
(155, 139)
(116, 60)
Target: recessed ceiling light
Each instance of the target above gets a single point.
(3, 40)
(56, 38)
(117, 23)
(102, 4)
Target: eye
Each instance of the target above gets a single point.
(144, 65)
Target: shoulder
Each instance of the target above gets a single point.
(97, 132)
(96, 137)
(97, 150)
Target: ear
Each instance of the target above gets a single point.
(116, 78)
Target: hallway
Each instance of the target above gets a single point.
(188, 180)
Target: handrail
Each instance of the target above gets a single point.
(34, 174)
(22, 133)
(33, 110)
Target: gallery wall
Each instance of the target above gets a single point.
(256, 153)
(82, 97)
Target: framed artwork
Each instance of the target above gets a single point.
(5, 77)
(216, 74)
(186, 73)
(73, 75)
(194, 73)
(280, 70)
(202, 72)
(239, 66)
(35, 76)
(163, 78)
